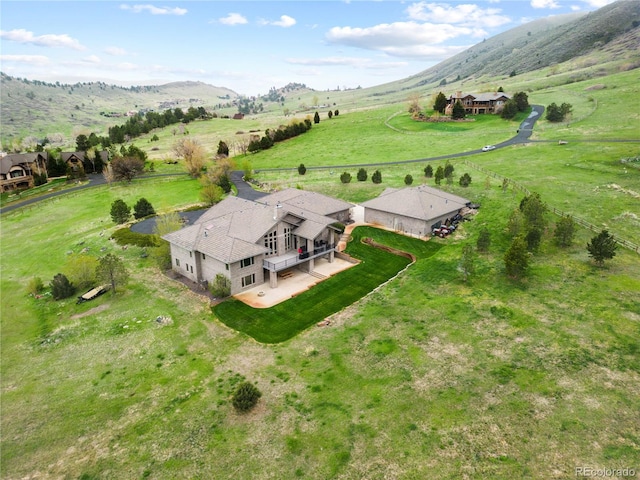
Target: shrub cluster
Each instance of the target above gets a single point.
(125, 236)
(245, 397)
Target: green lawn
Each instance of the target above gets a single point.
(427, 377)
(285, 320)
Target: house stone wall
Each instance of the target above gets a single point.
(236, 273)
(187, 262)
(404, 224)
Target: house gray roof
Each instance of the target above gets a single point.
(422, 202)
(66, 156)
(233, 229)
(307, 200)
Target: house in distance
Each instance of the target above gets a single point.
(478, 103)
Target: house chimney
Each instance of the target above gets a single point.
(459, 94)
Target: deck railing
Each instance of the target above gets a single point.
(276, 266)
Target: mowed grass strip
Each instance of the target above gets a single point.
(285, 320)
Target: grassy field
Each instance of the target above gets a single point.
(428, 377)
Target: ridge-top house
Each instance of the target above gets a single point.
(251, 241)
(478, 103)
(17, 170)
(413, 210)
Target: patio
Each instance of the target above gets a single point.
(293, 283)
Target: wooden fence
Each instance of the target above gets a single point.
(583, 223)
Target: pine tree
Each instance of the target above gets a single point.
(484, 240)
(120, 211)
(602, 247)
(143, 208)
(362, 175)
(316, 118)
(61, 287)
(565, 228)
(516, 259)
(376, 177)
(458, 112)
(440, 103)
(439, 175)
(428, 171)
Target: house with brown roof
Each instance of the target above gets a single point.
(478, 103)
(76, 161)
(414, 211)
(17, 170)
(251, 242)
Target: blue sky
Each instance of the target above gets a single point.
(251, 46)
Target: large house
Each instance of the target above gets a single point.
(252, 241)
(414, 211)
(478, 103)
(76, 160)
(17, 170)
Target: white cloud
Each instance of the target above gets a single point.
(410, 37)
(49, 40)
(92, 59)
(544, 4)
(233, 19)
(153, 10)
(463, 14)
(26, 59)
(285, 21)
(115, 51)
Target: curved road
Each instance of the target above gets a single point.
(245, 190)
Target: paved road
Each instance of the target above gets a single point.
(245, 190)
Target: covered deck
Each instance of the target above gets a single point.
(293, 257)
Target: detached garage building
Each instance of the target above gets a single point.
(414, 211)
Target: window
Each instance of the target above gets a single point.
(186, 266)
(247, 262)
(204, 257)
(288, 244)
(249, 280)
(191, 268)
(190, 254)
(271, 242)
(177, 262)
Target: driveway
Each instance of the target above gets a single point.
(246, 191)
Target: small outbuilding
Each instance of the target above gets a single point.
(413, 210)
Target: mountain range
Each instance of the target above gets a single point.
(601, 42)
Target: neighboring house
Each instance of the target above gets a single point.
(250, 242)
(17, 170)
(415, 211)
(75, 159)
(238, 116)
(478, 103)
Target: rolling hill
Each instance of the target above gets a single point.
(584, 45)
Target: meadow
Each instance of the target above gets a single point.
(428, 377)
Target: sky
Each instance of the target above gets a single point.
(251, 46)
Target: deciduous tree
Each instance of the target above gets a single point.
(111, 270)
(467, 261)
(126, 168)
(193, 154)
(81, 270)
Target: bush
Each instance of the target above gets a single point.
(339, 226)
(120, 211)
(428, 171)
(362, 175)
(408, 180)
(61, 287)
(125, 236)
(245, 397)
(302, 169)
(465, 180)
(376, 177)
(345, 177)
(35, 286)
(143, 208)
(221, 286)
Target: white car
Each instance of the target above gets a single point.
(488, 148)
